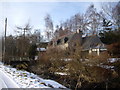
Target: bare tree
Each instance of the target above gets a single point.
(36, 37)
(25, 29)
(94, 19)
(78, 21)
(23, 41)
(49, 27)
(116, 14)
(112, 12)
(61, 32)
(56, 33)
(10, 48)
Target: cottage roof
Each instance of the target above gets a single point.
(92, 42)
(88, 42)
(62, 38)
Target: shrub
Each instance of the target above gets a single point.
(22, 66)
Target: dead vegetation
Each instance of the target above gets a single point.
(79, 72)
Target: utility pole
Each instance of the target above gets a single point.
(4, 50)
(24, 32)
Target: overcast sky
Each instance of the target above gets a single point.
(19, 13)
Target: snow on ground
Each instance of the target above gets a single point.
(106, 67)
(112, 60)
(61, 73)
(6, 81)
(2, 84)
(26, 79)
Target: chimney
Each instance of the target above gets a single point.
(79, 35)
(79, 32)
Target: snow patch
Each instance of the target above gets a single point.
(29, 80)
(61, 73)
(112, 60)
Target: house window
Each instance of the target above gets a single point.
(58, 41)
(65, 39)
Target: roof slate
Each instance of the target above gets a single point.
(88, 42)
(92, 42)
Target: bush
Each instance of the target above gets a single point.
(80, 73)
(117, 67)
(32, 51)
(114, 49)
(23, 66)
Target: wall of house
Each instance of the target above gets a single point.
(94, 51)
(63, 46)
(75, 41)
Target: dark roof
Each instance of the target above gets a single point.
(92, 42)
(61, 37)
(69, 36)
(88, 42)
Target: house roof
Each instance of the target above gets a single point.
(62, 37)
(92, 42)
(88, 42)
(68, 36)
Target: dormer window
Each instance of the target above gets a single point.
(58, 41)
(65, 39)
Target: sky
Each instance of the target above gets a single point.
(19, 13)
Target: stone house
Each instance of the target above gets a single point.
(89, 44)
